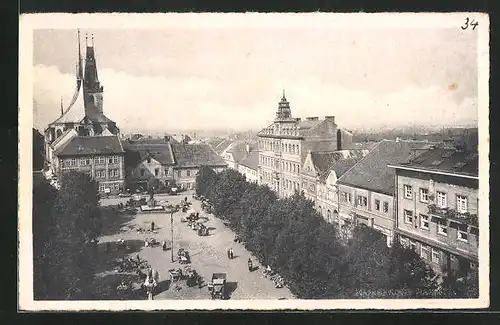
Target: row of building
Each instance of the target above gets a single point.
(86, 140)
(423, 194)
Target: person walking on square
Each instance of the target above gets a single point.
(152, 226)
(231, 253)
(164, 245)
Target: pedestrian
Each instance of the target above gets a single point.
(164, 245)
(138, 258)
(231, 253)
(185, 199)
(152, 226)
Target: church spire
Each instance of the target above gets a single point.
(284, 112)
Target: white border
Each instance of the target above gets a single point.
(250, 20)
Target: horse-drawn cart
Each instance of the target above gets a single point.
(175, 274)
(184, 257)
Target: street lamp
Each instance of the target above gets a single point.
(172, 209)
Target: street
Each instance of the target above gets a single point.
(208, 253)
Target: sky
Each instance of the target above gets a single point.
(187, 79)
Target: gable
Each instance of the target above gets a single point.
(308, 167)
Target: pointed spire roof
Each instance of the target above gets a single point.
(284, 112)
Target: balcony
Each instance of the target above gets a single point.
(447, 213)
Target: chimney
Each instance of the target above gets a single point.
(312, 118)
(298, 119)
(330, 118)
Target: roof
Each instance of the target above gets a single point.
(361, 145)
(161, 152)
(95, 145)
(444, 159)
(75, 112)
(196, 155)
(62, 136)
(239, 149)
(223, 145)
(372, 172)
(251, 160)
(340, 167)
(340, 161)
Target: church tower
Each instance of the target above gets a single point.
(284, 112)
(92, 89)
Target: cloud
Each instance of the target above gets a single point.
(161, 104)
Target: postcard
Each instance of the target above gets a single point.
(235, 161)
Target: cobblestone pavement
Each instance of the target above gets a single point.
(208, 254)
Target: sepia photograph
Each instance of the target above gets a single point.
(253, 161)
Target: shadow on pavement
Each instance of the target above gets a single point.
(162, 286)
(106, 253)
(254, 268)
(231, 287)
(112, 220)
(106, 287)
(211, 228)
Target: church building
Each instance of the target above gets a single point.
(83, 138)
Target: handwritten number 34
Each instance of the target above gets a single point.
(469, 23)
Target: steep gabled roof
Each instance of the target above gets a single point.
(340, 167)
(161, 152)
(96, 145)
(251, 160)
(223, 145)
(196, 155)
(239, 149)
(372, 172)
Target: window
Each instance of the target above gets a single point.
(188, 186)
(116, 160)
(298, 169)
(408, 192)
(114, 173)
(442, 229)
(436, 257)
(110, 160)
(377, 204)
(100, 174)
(188, 173)
(408, 216)
(403, 241)
(425, 252)
(424, 195)
(143, 172)
(441, 199)
(71, 162)
(461, 203)
(179, 173)
(85, 162)
(166, 171)
(413, 244)
(362, 201)
(102, 187)
(100, 160)
(424, 222)
(462, 235)
(386, 207)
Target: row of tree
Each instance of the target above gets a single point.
(65, 222)
(290, 236)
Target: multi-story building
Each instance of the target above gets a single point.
(284, 145)
(83, 138)
(101, 157)
(237, 151)
(319, 177)
(366, 191)
(437, 207)
(171, 164)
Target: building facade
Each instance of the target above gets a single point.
(249, 166)
(102, 158)
(83, 138)
(437, 208)
(366, 192)
(284, 145)
(167, 163)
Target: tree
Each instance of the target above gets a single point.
(73, 221)
(205, 180)
(43, 199)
